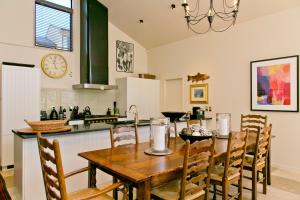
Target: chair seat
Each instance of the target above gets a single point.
(218, 173)
(170, 191)
(248, 162)
(85, 193)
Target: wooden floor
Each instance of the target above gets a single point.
(285, 186)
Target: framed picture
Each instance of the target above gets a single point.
(125, 56)
(199, 94)
(274, 84)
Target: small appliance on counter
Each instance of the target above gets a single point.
(53, 114)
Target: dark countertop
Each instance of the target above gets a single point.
(79, 129)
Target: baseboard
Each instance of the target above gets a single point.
(285, 167)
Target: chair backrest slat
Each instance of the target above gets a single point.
(52, 168)
(196, 167)
(123, 135)
(262, 144)
(253, 122)
(236, 149)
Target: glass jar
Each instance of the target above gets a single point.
(159, 134)
(223, 123)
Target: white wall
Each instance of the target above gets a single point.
(17, 45)
(226, 58)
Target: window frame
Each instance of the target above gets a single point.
(60, 8)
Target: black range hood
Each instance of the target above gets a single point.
(93, 46)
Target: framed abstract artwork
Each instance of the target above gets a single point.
(274, 84)
(125, 56)
(199, 94)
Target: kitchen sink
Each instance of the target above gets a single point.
(128, 122)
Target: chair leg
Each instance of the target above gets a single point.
(254, 185)
(240, 188)
(225, 188)
(265, 177)
(269, 165)
(215, 192)
(130, 195)
(115, 192)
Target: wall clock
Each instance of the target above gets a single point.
(54, 65)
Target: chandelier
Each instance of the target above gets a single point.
(201, 23)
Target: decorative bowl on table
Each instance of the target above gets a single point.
(195, 135)
(174, 116)
(46, 125)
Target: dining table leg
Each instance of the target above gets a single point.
(92, 175)
(144, 190)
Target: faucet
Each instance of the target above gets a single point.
(135, 112)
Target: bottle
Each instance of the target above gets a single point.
(116, 110)
(53, 114)
(108, 112)
(60, 113)
(64, 113)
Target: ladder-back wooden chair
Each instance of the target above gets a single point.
(54, 177)
(121, 136)
(258, 162)
(4, 195)
(252, 122)
(231, 172)
(197, 122)
(195, 178)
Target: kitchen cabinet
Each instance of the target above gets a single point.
(20, 99)
(144, 93)
(28, 179)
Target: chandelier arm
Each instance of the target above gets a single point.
(234, 7)
(198, 32)
(227, 14)
(227, 5)
(197, 5)
(222, 30)
(196, 19)
(227, 18)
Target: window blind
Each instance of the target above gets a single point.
(53, 25)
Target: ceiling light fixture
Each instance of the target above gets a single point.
(226, 15)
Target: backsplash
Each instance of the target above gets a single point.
(98, 101)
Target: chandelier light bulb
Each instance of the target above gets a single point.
(209, 14)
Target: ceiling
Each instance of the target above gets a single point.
(163, 25)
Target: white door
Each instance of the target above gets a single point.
(173, 95)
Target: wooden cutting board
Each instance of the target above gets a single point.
(31, 131)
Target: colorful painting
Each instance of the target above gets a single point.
(274, 84)
(199, 94)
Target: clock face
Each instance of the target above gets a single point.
(54, 65)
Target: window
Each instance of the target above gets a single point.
(53, 24)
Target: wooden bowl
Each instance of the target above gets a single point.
(46, 125)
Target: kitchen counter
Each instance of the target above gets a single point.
(85, 128)
(27, 168)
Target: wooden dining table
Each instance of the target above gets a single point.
(130, 163)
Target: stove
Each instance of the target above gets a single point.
(89, 119)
